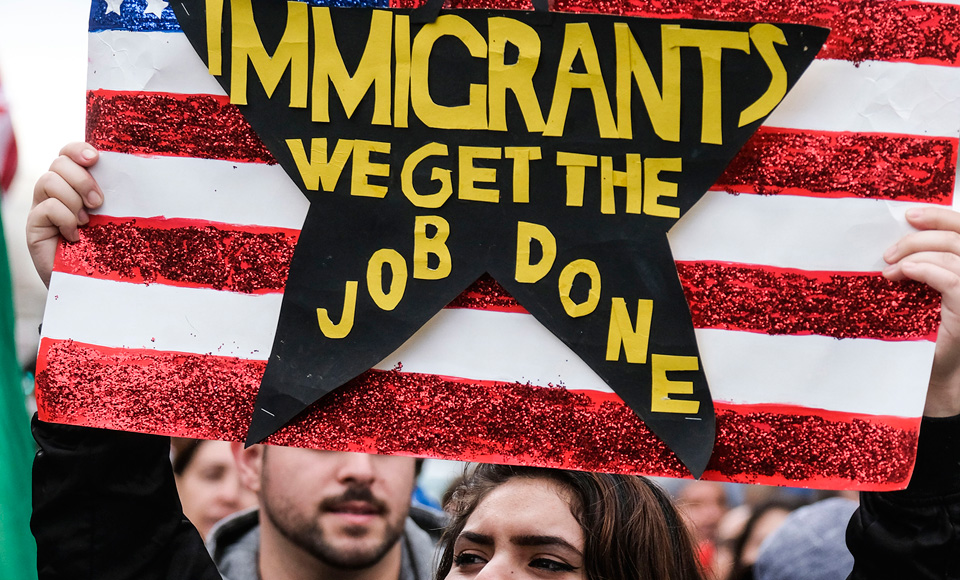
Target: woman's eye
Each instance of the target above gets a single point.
(468, 559)
(551, 565)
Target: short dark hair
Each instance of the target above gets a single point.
(631, 529)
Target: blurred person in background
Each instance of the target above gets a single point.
(208, 482)
(17, 549)
(809, 545)
(703, 504)
(764, 520)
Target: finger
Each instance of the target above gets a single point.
(78, 180)
(947, 261)
(49, 219)
(53, 187)
(81, 153)
(944, 280)
(934, 218)
(935, 240)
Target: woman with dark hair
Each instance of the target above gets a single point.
(536, 523)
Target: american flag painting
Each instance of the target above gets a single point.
(162, 317)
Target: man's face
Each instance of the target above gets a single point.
(346, 509)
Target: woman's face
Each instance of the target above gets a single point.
(522, 529)
(210, 487)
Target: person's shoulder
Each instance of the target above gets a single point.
(428, 519)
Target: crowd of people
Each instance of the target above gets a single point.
(106, 504)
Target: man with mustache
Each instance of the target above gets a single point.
(325, 514)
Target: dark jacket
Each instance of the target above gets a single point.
(914, 534)
(105, 507)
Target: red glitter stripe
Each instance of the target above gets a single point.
(797, 302)
(180, 252)
(200, 126)
(834, 165)
(432, 416)
(742, 297)
(774, 161)
(861, 30)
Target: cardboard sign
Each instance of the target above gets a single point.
(449, 238)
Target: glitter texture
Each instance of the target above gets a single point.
(883, 30)
(132, 17)
(182, 253)
(782, 301)
(486, 294)
(903, 168)
(394, 412)
(200, 126)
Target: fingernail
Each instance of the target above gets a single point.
(89, 154)
(914, 213)
(94, 199)
(83, 217)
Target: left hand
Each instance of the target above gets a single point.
(932, 256)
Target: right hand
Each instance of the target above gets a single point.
(61, 199)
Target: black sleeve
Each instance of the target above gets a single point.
(105, 507)
(914, 533)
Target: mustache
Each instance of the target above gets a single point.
(356, 493)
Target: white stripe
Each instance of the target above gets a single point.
(852, 375)
(183, 187)
(873, 97)
(849, 375)
(160, 317)
(790, 231)
(162, 62)
(809, 233)
(832, 95)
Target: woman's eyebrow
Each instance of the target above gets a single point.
(532, 540)
(476, 538)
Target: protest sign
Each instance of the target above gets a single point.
(287, 240)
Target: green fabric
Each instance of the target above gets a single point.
(18, 551)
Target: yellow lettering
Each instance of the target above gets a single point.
(522, 156)
(578, 40)
(711, 44)
(292, 52)
(527, 272)
(214, 34)
(567, 277)
(318, 169)
(664, 387)
(473, 115)
(373, 70)
(433, 200)
(516, 78)
(654, 189)
(576, 164)
(363, 168)
(764, 36)
(398, 278)
(401, 93)
(633, 337)
(470, 174)
(663, 106)
(631, 179)
(423, 247)
(342, 328)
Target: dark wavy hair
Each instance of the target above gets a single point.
(631, 529)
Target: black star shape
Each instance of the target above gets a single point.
(417, 191)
